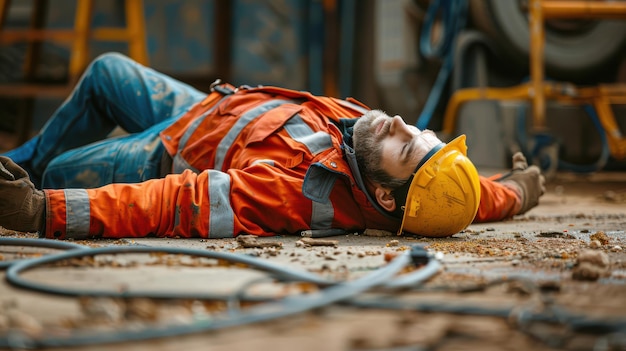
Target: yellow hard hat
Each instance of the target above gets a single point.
(443, 192)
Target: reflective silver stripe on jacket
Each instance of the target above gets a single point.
(263, 161)
(178, 162)
(222, 217)
(316, 142)
(351, 105)
(317, 186)
(77, 212)
(323, 212)
(242, 123)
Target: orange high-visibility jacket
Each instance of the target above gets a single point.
(261, 161)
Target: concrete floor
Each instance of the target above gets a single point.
(527, 264)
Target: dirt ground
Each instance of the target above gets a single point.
(552, 279)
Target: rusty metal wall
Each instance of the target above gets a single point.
(270, 42)
(179, 33)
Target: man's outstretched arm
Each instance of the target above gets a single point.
(210, 204)
(515, 193)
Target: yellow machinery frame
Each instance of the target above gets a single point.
(538, 90)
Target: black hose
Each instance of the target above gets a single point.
(279, 272)
(413, 279)
(522, 317)
(273, 310)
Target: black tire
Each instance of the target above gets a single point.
(575, 50)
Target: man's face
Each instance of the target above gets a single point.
(389, 148)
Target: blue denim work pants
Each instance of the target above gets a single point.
(73, 149)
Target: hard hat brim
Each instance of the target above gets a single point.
(444, 193)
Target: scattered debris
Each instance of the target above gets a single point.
(101, 309)
(521, 287)
(615, 196)
(601, 237)
(317, 242)
(594, 257)
(251, 241)
(368, 253)
(390, 256)
(591, 265)
(474, 262)
(555, 235)
(377, 232)
(271, 251)
(595, 244)
(587, 271)
(142, 309)
(23, 322)
(549, 286)
(393, 243)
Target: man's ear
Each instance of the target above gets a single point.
(385, 199)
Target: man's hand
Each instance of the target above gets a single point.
(21, 204)
(528, 180)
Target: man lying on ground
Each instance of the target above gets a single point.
(246, 160)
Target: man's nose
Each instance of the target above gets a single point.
(398, 126)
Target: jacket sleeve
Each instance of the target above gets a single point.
(497, 202)
(211, 204)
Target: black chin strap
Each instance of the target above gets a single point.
(347, 127)
(402, 191)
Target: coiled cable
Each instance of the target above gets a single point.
(288, 306)
(44, 243)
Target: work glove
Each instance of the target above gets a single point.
(22, 206)
(527, 180)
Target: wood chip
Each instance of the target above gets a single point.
(377, 232)
(319, 242)
(251, 241)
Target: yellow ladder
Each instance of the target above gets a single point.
(78, 38)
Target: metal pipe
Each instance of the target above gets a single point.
(584, 9)
(537, 40)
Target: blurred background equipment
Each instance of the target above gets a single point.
(415, 58)
(580, 46)
(540, 140)
(79, 38)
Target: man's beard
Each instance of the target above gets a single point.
(368, 150)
